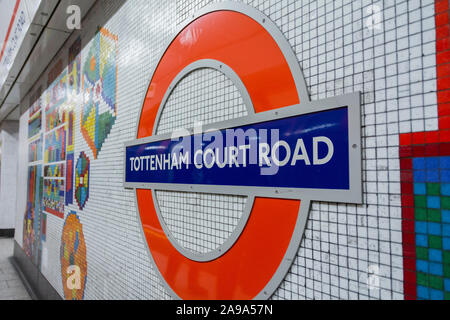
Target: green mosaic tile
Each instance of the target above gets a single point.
(433, 189)
(445, 202)
(436, 282)
(421, 253)
(446, 257)
(420, 214)
(434, 215)
(435, 242)
(422, 279)
(447, 270)
(420, 201)
(447, 296)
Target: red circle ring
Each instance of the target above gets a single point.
(247, 41)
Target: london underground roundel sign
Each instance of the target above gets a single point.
(286, 152)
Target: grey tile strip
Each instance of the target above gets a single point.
(24, 279)
(34, 281)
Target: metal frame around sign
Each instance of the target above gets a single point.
(353, 194)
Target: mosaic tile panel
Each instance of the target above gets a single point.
(99, 90)
(432, 226)
(55, 116)
(34, 124)
(35, 150)
(82, 180)
(55, 145)
(33, 214)
(53, 199)
(73, 254)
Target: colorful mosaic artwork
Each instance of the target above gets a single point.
(432, 226)
(35, 150)
(82, 180)
(56, 96)
(426, 201)
(70, 127)
(55, 145)
(69, 178)
(73, 86)
(34, 225)
(31, 225)
(53, 199)
(34, 124)
(425, 188)
(70, 157)
(43, 223)
(35, 102)
(99, 90)
(73, 253)
(28, 232)
(54, 171)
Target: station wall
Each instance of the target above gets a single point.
(8, 170)
(72, 207)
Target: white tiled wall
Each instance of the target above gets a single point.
(8, 172)
(393, 64)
